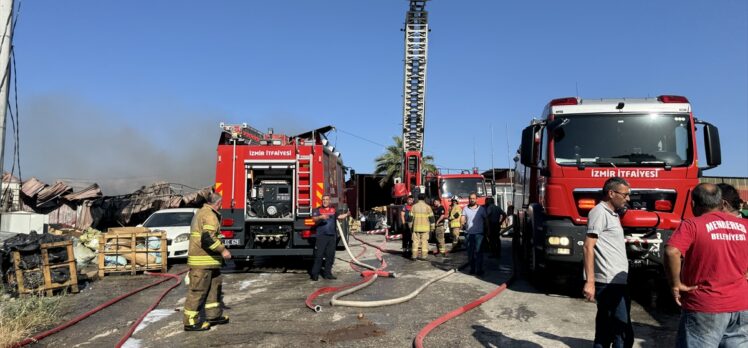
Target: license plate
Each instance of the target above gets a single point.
(231, 242)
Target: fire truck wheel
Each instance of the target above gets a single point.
(244, 265)
(538, 274)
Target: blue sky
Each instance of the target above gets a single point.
(127, 92)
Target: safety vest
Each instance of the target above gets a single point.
(423, 217)
(454, 216)
(205, 245)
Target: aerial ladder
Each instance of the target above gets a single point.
(242, 133)
(414, 96)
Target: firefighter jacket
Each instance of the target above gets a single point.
(205, 246)
(454, 216)
(423, 217)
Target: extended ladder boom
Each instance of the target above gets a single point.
(414, 90)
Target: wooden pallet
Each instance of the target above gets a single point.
(124, 243)
(46, 268)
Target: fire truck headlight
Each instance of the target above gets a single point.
(272, 210)
(553, 240)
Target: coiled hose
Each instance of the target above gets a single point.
(367, 304)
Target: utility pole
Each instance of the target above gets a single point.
(493, 170)
(6, 16)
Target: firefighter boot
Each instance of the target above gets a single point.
(224, 319)
(202, 326)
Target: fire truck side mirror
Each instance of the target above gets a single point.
(528, 147)
(711, 146)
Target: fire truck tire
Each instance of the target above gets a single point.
(538, 274)
(526, 249)
(244, 265)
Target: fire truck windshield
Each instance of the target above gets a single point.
(623, 140)
(462, 187)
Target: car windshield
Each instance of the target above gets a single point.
(169, 219)
(624, 140)
(463, 187)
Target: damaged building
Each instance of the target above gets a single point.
(31, 204)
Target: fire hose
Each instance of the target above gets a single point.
(347, 249)
(40, 336)
(153, 306)
(335, 299)
(372, 273)
(389, 251)
(366, 274)
(367, 304)
(418, 341)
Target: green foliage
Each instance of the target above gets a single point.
(390, 163)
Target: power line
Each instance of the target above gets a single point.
(362, 138)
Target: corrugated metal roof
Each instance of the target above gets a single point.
(31, 187)
(90, 192)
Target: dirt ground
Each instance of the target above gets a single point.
(266, 307)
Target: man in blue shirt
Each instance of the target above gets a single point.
(475, 220)
(324, 249)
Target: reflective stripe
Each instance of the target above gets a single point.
(195, 234)
(215, 245)
(211, 305)
(209, 227)
(191, 315)
(204, 260)
(422, 214)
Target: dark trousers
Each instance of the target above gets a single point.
(613, 320)
(494, 239)
(324, 249)
(407, 238)
(475, 256)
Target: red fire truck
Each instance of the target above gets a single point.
(270, 183)
(566, 157)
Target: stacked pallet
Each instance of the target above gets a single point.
(132, 250)
(47, 274)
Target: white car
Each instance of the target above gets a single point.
(176, 223)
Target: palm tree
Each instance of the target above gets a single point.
(390, 163)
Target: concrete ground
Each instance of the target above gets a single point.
(266, 306)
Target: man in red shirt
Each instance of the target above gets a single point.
(712, 286)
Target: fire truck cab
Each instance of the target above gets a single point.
(270, 183)
(566, 157)
(445, 186)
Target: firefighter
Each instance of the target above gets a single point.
(423, 224)
(325, 218)
(205, 257)
(455, 215)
